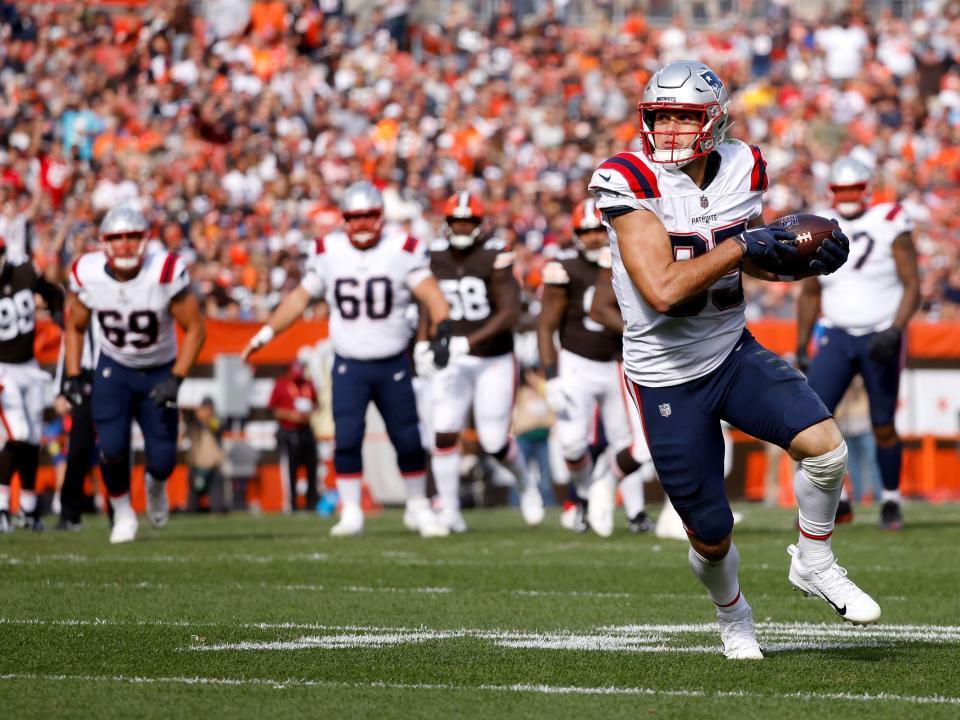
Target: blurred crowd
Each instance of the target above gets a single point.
(236, 133)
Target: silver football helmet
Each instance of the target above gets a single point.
(684, 85)
(124, 224)
(850, 185)
(362, 208)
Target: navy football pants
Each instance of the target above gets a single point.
(387, 383)
(120, 395)
(754, 390)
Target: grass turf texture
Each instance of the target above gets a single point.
(268, 616)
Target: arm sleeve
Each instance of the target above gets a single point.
(614, 194)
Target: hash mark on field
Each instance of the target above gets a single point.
(288, 683)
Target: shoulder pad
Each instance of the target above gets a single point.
(566, 254)
(410, 244)
(319, 246)
(893, 211)
(504, 259)
(554, 273)
(439, 245)
(639, 176)
(167, 269)
(495, 243)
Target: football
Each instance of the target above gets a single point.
(811, 231)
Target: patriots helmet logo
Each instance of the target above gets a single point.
(665, 409)
(711, 79)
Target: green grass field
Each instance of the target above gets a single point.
(268, 617)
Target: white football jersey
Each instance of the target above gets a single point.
(864, 294)
(133, 318)
(693, 338)
(368, 291)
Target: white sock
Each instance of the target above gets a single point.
(4, 497)
(580, 476)
(631, 492)
(817, 485)
(28, 501)
(121, 503)
(844, 493)
(416, 485)
(513, 464)
(720, 579)
(349, 491)
(446, 474)
(890, 496)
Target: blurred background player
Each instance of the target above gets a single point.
(475, 272)
(81, 437)
(689, 359)
(293, 400)
(368, 275)
(587, 374)
(135, 294)
(866, 306)
(22, 386)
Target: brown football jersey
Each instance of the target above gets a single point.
(578, 333)
(464, 278)
(18, 283)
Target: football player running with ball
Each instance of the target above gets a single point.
(680, 214)
(475, 272)
(369, 275)
(866, 307)
(135, 295)
(586, 375)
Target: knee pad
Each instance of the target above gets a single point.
(712, 527)
(348, 460)
(826, 471)
(575, 452)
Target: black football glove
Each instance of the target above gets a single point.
(76, 389)
(770, 243)
(164, 393)
(803, 360)
(440, 345)
(831, 254)
(884, 345)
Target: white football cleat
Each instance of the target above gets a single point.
(601, 503)
(453, 519)
(423, 519)
(124, 526)
(833, 587)
(739, 637)
(158, 506)
(351, 522)
(531, 505)
(669, 524)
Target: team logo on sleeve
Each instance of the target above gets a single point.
(665, 409)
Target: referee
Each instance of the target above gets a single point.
(82, 441)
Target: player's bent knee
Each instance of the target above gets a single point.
(712, 551)
(816, 440)
(885, 435)
(826, 471)
(445, 441)
(575, 454)
(577, 462)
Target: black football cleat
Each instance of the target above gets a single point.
(640, 523)
(890, 516)
(844, 513)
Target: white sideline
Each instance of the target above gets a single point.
(282, 684)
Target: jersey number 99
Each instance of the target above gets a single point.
(16, 314)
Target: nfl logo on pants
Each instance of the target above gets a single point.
(665, 409)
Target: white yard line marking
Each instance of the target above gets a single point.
(288, 683)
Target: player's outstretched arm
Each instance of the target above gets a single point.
(505, 296)
(287, 312)
(185, 310)
(428, 295)
(648, 258)
(605, 309)
(808, 310)
(552, 309)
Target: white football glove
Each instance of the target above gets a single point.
(263, 336)
(556, 398)
(459, 346)
(423, 359)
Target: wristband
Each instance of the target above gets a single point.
(263, 336)
(550, 371)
